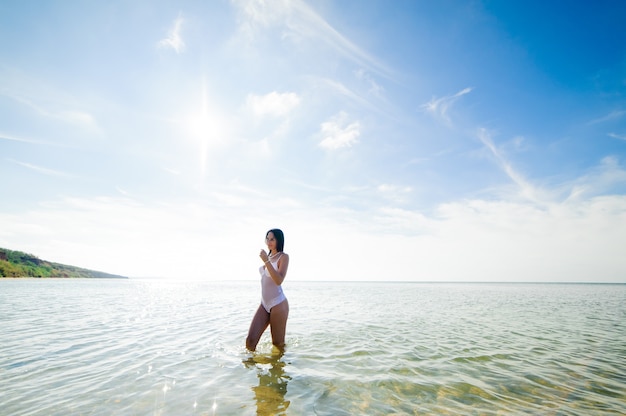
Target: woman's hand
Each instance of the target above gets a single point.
(263, 255)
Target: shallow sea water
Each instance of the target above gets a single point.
(150, 347)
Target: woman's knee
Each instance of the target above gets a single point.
(251, 343)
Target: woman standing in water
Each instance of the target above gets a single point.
(274, 308)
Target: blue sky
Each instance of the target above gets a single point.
(405, 140)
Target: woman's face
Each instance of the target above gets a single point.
(270, 240)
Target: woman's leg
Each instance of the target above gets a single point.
(258, 325)
(278, 324)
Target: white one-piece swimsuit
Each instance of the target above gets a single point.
(271, 293)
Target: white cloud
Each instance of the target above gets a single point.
(440, 107)
(174, 39)
(122, 236)
(395, 193)
(273, 104)
(393, 188)
(618, 136)
(500, 240)
(466, 240)
(337, 133)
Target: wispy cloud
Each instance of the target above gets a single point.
(527, 190)
(174, 39)
(273, 104)
(338, 132)
(340, 89)
(374, 88)
(172, 171)
(81, 119)
(299, 21)
(613, 115)
(40, 169)
(13, 138)
(440, 107)
(394, 193)
(618, 136)
(600, 180)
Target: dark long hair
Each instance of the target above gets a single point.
(280, 238)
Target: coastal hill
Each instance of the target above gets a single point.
(18, 264)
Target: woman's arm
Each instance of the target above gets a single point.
(278, 276)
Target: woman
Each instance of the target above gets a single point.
(274, 308)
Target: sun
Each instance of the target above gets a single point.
(207, 129)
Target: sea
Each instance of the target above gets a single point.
(161, 347)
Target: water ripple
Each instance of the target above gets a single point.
(167, 348)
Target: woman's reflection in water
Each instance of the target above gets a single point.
(270, 393)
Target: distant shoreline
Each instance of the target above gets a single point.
(17, 264)
(115, 277)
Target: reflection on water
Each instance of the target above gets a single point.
(270, 393)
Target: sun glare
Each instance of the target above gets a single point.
(206, 129)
